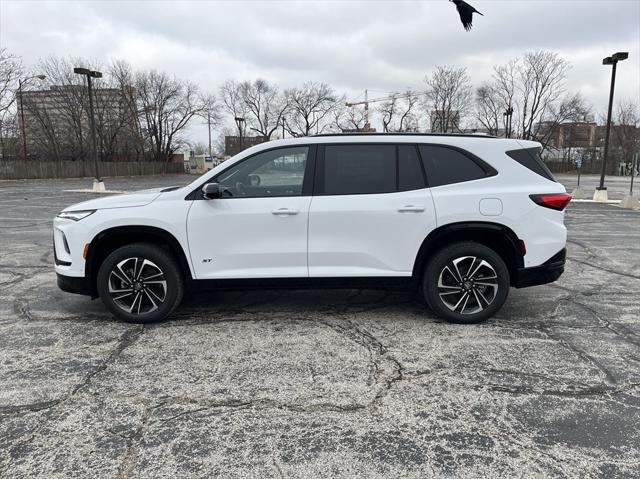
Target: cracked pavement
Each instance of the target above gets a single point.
(349, 383)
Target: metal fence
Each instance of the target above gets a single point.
(592, 167)
(19, 169)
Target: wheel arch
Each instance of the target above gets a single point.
(496, 236)
(107, 241)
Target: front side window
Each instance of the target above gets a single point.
(277, 172)
(445, 166)
(359, 169)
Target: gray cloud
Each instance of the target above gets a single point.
(383, 45)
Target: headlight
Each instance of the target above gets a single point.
(75, 215)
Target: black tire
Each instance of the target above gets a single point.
(157, 273)
(453, 276)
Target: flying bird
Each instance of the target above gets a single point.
(466, 12)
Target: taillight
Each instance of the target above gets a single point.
(555, 201)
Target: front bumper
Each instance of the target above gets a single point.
(547, 272)
(76, 285)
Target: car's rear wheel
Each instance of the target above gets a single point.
(466, 283)
(140, 283)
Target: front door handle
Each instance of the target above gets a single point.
(411, 209)
(285, 212)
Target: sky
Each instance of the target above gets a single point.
(383, 46)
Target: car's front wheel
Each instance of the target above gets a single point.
(466, 283)
(140, 283)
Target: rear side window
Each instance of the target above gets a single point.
(445, 166)
(410, 173)
(532, 159)
(359, 169)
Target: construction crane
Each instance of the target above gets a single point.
(393, 96)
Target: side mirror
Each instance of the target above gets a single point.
(211, 191)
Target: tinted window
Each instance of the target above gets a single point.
(410, 174)
(271, 173)
(445, 166)
(359, 169)
(531, 158)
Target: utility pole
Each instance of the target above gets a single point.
(98, 184)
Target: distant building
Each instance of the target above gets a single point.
(58, 118)
(577, 134)
(232, 144)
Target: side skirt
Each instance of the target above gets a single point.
(393, 283)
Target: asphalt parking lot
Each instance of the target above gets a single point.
(319, 383)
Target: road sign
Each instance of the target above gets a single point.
(578, 161)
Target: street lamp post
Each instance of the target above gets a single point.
(98, 184)
(24, 130)
(508, 114)
(209, 127)
(240, 122)
(601, 191)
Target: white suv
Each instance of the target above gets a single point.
(462, 218)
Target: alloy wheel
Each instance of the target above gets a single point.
(467, 285)
(137, 285)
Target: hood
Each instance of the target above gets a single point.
(129, 200)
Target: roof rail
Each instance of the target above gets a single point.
(373, 133)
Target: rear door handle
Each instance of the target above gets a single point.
(411, 209)
(285, 212)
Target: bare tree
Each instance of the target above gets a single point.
(448, 97)
(541, 76)
(265, 105)
(132, 142)
(625, 135)
(220, 146)
(10, 71)
(43, 134)
(489, 107)
(572, 108)
(59, 123)
(347, 118)
(212, 117)
(388, 110)
(504, 85)
(167, 106)
(399, 112)
(231, 94)
(408, 111)
(199, 148)
(533, 87)
(310, 106)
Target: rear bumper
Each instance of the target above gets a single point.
(76, 285)
(548, 272)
